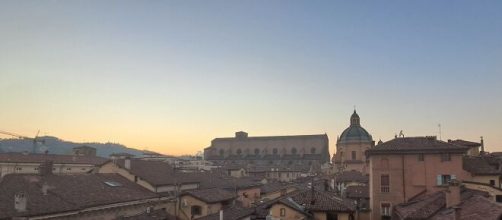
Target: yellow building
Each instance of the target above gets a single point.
(27, 163)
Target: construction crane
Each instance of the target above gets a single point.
(35, 140)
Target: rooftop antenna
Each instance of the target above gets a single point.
(439, 126)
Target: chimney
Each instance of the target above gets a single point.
(221, 214)
(20, 201)
(453, 193)
(457, 212)
(45, 168)
(45, 188)
(127, 163)
(482, 145)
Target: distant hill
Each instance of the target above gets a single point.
(57, 146)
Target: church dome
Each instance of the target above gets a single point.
(355, 132)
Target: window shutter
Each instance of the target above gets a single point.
(439, 180)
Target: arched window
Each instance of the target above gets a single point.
(312, 150)
(274, 151)
(293, 151)
(256, 151)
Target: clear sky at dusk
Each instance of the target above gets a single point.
(172, 75)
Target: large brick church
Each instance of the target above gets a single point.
(269, 150)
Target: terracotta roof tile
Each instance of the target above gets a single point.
(212, 195)
(66, 192)
(416, 145)
(479, 166)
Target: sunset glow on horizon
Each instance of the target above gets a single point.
(171, 76)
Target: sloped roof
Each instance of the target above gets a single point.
(427, 205)
(479, 166)
(55, 158)
(421, 207)
(465, 143)
(416, 145)
(212, 195)
(474, 208)
(66, 192)
(323, 201)
(232, 213)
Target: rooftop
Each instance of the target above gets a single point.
(479, 166)
(66, 192)
(428, 144)
(212, 195)
(55, 158)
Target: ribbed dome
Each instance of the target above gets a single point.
(355, 132)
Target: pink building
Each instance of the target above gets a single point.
(403, 168)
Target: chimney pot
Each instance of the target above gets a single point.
(127, 163)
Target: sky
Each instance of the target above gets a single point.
(170, 76)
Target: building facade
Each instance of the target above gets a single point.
(404, 168)
(27, 163)
(271, 150)
(351, 145)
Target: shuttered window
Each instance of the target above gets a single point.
(385, 183)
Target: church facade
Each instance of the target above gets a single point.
(351, 146)
(305, 150)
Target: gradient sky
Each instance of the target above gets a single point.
(170, 76)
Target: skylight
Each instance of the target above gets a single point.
(112, 183)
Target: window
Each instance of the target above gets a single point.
(312, 150)
(36, 168)
(196, 210)
(283, 212)
(421, 157)
(69, 168)
(274, 151)
(444, 179)
(256, 151)
(498, 198)
(445, 157)
(353, 155)
(492, 182)
(19, 168)
(384, 183)
(239, 151)
(222, 152)
(385, 209)
(293, 151)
